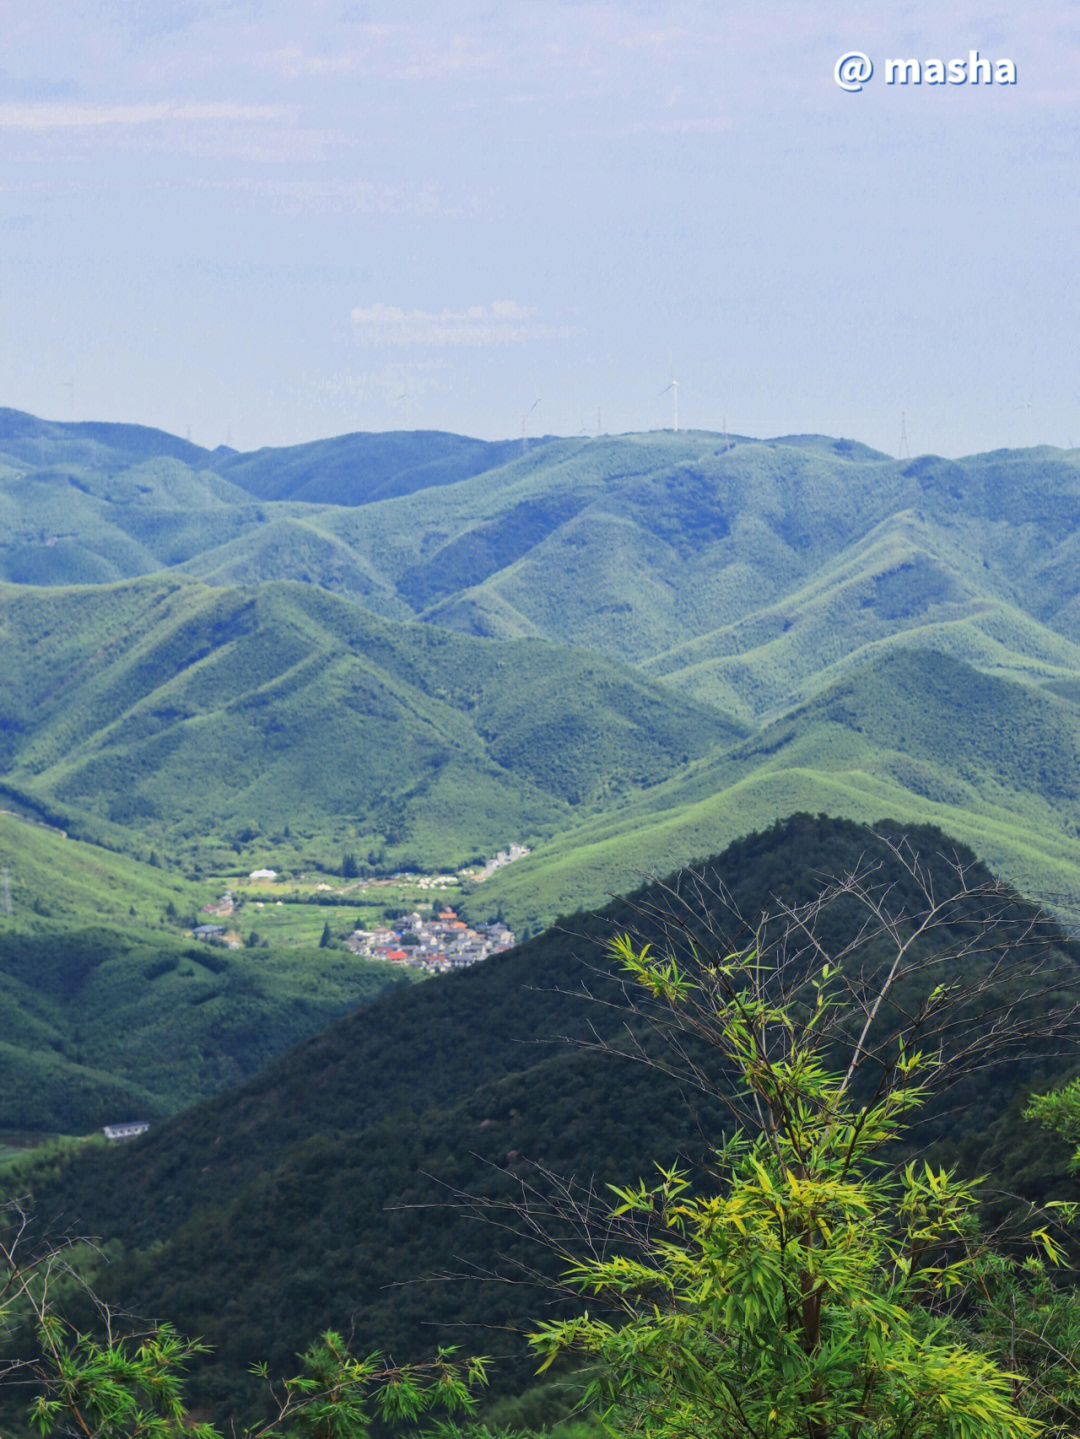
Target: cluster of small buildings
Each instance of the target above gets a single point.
(215, 934)
(504, 856)
(434, 945)
(225, 905)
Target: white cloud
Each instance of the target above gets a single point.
(340, 195)
(388, 52)
(503, 322)
(82, 116)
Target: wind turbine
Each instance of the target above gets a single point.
(674, 388)
(1031, 428)
(525, 416)
(405, 392)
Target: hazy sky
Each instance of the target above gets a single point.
(269, 222)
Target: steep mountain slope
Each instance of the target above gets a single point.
(913, 735)
(91, 525)
(907, 584)
(324, 1191)
(107, 1010)
(196, 715)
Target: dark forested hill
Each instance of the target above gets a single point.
(322, 1191)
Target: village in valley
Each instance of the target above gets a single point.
(415, 924)
(433, 945)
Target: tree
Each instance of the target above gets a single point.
(1029, 1310)
(327, 937)
(129, 1386)
(134, 1391)
(1059, 1111)
(800, 1285)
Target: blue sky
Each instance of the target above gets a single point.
(266, 223)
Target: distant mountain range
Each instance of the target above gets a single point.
(627, 652)
(624, 651)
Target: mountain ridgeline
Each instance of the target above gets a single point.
(340, 1186)
(623, 651)
(402, 652)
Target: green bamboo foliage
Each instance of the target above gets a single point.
(799, 1288)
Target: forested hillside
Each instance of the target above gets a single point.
(405, 652)
(109, 1010)
(732, 564)
(193, 715)
(326, 1190)
(747, 582)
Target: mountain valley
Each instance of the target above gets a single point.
(287, 687)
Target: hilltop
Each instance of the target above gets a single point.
(672, 603)
(324, 1190)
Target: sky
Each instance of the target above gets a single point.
(265, 223)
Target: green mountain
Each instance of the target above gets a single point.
(212, 720)
(35, 443)
(911, 734)
(747, 577)
(414, 649)
(624, 652)
(671, 550)
(686, 553)
(109, 1011)
(358, 469)
(327, 1190)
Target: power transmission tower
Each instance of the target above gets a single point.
(905, 453)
